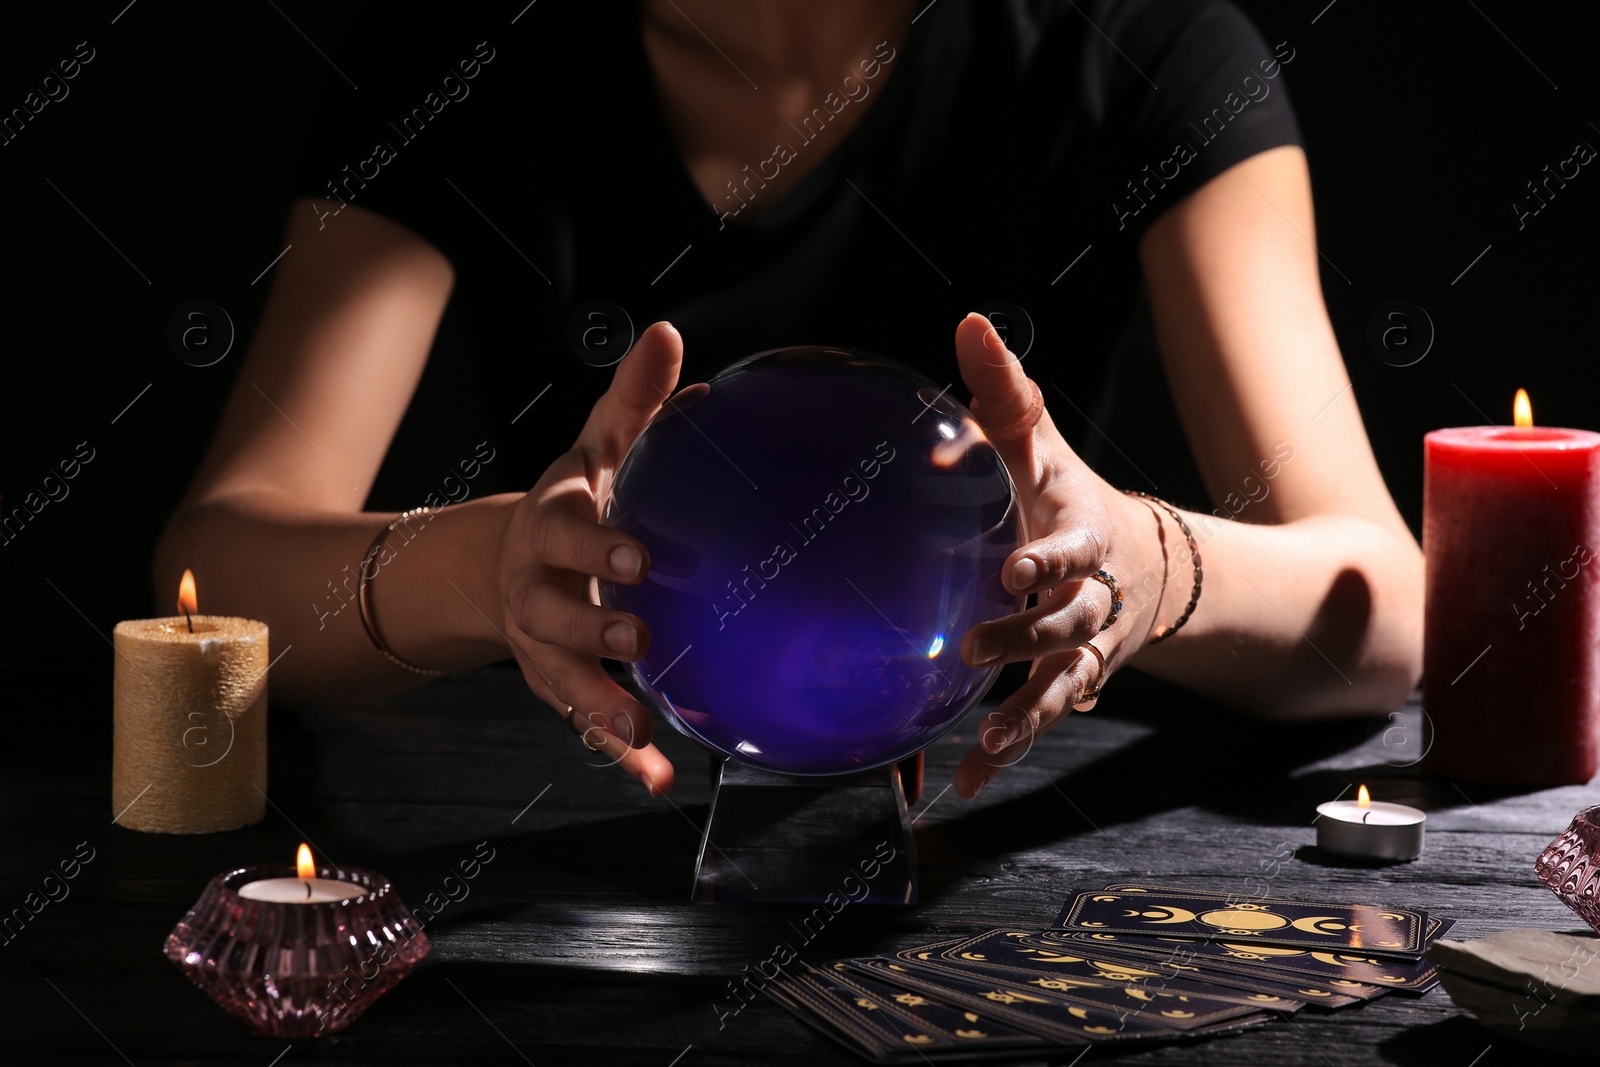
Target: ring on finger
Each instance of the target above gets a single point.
(1104, 578)
(583, 734)
(1100, 676)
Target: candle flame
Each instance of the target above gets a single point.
(303, 864)
(1363, 798)
(188, 603)
(1522, 409)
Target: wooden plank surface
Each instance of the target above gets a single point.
(577, 943)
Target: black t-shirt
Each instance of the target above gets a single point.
(1010, 151)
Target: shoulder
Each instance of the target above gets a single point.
(1136, 47)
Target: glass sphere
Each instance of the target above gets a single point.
(823, 526)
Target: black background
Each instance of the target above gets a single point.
(164, 177)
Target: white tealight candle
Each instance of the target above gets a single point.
(300, 890)
(1370, 829)
(306, 889)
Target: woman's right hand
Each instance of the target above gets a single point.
(554, 549)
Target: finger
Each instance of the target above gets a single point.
(560, 538)
(563, 620)
(1071, 552)
(1071, 615)
(642, 382)
(1041, 702)
(647, 764)
(1006, 402)
(563, 679)
(1009, 732)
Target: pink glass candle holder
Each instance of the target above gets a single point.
(297, 970)
(1570, 866)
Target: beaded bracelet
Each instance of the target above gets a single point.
(363, 604)
(1194, 554)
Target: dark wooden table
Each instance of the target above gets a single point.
(577, 943)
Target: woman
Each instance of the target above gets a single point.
(749, 176)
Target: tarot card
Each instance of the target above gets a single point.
(1340, 972)
(1437, 927)
(1081, 1013)
(1268, 921)
(848, 1023)
(925, 1022)
(1027, 955)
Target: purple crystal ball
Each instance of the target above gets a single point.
(823, 526)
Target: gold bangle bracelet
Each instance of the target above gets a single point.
(1194, 555)
(363, 598)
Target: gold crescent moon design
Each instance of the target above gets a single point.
(1315, 992)
(1102, 898)
(970, 1016)
(1176, 1014)
(1078, 1013)
(919, 1039)
(973, 1034)
(1242, 919)
(1164, 915)
(976, 957)
(1098, 1030)
(1328, 925)
(1139, 994)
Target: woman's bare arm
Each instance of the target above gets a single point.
(274, 528)
(273, 524)
(1313, 596)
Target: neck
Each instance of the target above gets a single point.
(778, 37)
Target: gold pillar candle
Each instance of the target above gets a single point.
(189, 750)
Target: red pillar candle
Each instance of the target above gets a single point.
(1511, 646)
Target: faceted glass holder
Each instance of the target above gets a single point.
(776, 838)
(297, 970)
(1570, 866)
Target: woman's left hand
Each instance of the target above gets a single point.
(1074, 525)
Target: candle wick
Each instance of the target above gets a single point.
(188, 619)
(308, 889)
(1366, 815)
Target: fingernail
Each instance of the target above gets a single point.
(985, 650)
(626, 561)
(622, 639)
(981, 783)
(649, 784)
(1024, 574)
